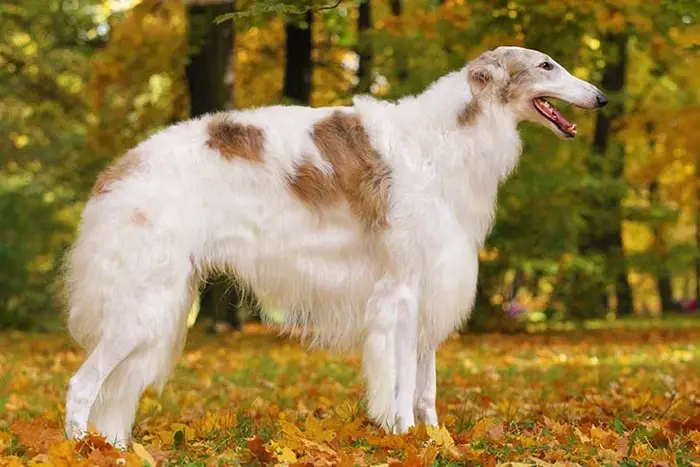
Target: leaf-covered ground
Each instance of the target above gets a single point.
(615, 397)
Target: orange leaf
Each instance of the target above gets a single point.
(259, 450)
(63, 455)
(36, 436)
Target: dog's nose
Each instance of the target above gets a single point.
(602, 100)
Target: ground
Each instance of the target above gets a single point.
(605, 397)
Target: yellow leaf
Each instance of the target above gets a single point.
(40, 460)
(167, 437)
(284, 454)
(62, 454)
(559, 429)
(582, 437)
(5, 440)
(143, 454)
(440, 435)
(481, 427)
(11, 461)
(694, 436)
(290, 430)
(345, 411)
(598, 434)
(316, 432)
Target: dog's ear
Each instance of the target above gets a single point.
(487, 72)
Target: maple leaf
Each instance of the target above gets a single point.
(93, 442)
(11, 461)
(143, 454)
(559, 429)
(602, 437)
(481, 427)
(36, 436)
(283, 453)
(440, 435)
(694, 438)
(5, 441)
(257, 448)
(63, 455)
(350, 431)
(412, 459)
(314, 431)
(103, 459)
(346, 411)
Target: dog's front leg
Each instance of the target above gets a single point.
(378, 357)
(390, 353)
(426, 388)
(406, 354)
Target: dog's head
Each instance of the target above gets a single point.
(523, 80)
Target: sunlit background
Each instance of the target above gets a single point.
(599, 228)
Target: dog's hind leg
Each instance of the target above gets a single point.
(85, 385)
(136, 328)
(114, 411)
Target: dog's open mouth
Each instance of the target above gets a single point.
(551, 113)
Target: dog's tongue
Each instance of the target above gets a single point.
(554, 115)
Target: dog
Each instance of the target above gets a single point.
(363, 222)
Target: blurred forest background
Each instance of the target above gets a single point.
(606, 226)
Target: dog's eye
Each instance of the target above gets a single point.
(547, 66)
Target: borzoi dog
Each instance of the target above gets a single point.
(362, 222)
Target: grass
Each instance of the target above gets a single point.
(608, 396)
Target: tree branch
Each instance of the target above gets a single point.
(330, 7)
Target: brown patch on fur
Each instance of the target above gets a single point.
(359, 173)
(140, 218)
(470, 113)
(236, 140)
(311, 185)
(518, 85)
(116, 171)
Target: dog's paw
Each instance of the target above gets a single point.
(427, 416)
(404, 423)
(74, 430)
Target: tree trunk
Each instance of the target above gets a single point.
(607, 163)
(211, 47)
(697, 232)
(399, 57)
(364, 47)
(298, 65)
(663, 278)
(396, 7)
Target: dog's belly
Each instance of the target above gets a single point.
(318, 268)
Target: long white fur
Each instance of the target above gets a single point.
(395, 295)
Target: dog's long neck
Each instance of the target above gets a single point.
(434, 122)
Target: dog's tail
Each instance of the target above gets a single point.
(129, 287)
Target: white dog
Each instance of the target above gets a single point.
(363, 222)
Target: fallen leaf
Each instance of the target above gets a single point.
(143, 454)
(36, 436)
(440, 435)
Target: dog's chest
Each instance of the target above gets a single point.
(470, 198)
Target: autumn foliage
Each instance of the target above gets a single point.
(83, 81)
(614, 397)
